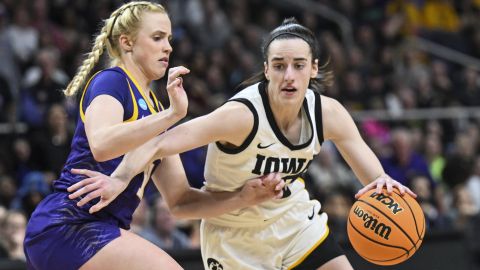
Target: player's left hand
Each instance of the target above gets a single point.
(385, 180)
(96, 185)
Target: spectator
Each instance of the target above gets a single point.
(164, 232)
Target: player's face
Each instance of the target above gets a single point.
(151, 50)
(289, 69)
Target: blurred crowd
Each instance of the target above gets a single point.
(42, 43)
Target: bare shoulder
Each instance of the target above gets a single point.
(235, 113)
(236, 121)
(336, 119)
(330, 106)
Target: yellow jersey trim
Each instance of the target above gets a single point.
(135, 107)
(82, 114)
(147, 100)
(310, 250)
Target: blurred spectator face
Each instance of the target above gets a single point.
(57, 117)
(464, 202)
(139, 217)
(463, 145)
(337, 206)
(7, 189)
(15, 224)
(408, 98)
(22, 149)
(421, 186)
(402, 145)
(433, 146)
(164, 221)
(434, 128)
(48, 61)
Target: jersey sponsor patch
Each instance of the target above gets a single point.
(143, 104)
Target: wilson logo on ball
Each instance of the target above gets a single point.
(388, 201)
(371, 222)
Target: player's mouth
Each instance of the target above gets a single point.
(164, 60)
(289, 89)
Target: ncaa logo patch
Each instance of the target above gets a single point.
(142, 104)
(214, 264)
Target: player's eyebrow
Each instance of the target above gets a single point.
(294, 59)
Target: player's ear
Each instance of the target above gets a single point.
(265, 70)
(314, 72)
(125, 43)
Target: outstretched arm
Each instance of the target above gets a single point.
(183, 200)
(342, 131)
(191, 203)
(230, 123)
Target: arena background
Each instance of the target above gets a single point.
(407, 71)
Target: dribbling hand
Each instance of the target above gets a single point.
(96, 185)
(176, 93)
(385, 180)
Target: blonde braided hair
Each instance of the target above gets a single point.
(124, 20)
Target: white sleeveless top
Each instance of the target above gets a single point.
(265, 150)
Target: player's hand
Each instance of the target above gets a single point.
(385, 180)
(258, 190)
(176, 93)
(96, 185)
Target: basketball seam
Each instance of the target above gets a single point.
(373, 240)
(414, 219)
(404, 232)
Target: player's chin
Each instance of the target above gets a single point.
(159, 73)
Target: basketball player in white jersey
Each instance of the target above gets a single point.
(276, 123)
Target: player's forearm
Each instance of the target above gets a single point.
(197, 204)
(363, 161)
(114, 141)
(135, 161)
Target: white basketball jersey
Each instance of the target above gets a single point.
(265, 150)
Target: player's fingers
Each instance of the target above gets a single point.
(389, 185)
(176, 72)
(279, 194)
(401, 188)
(86, 189)
(379, 185)
(280, 185)
(362, 191)
(410, 192)
(99, 206)
(268, 179)
(90, 196)
(86, 172)
(80, 184)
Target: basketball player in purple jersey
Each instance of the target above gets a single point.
(118, 113)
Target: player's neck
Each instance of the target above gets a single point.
(138, 76)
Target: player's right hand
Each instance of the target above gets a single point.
(258, 190)
(176, 93)
(96, 185)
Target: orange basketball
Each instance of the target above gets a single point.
(386, 229)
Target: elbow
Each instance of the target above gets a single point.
(100, 154)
